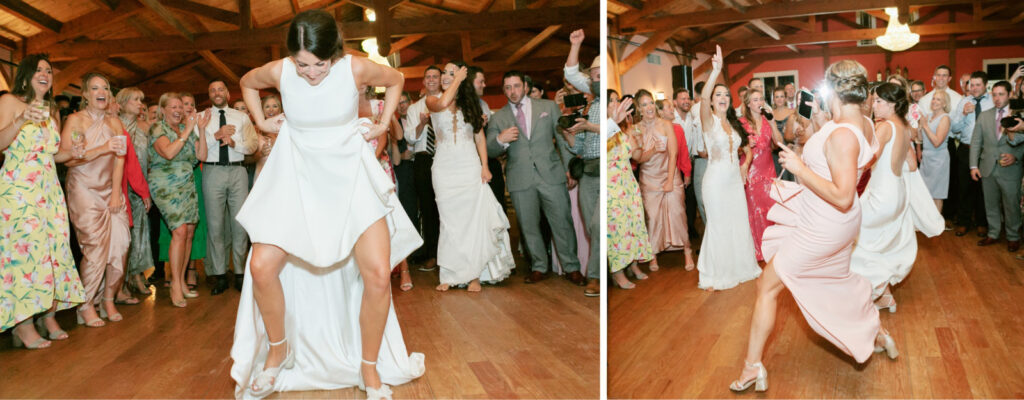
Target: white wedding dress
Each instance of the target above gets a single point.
(474, 240)
(726, 256)
(892, 207)
(320, 189)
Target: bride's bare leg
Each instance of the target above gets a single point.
(761, 324)
(266, 265)
(372, 254)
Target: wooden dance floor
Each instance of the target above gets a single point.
(959, 328)
(510, 341)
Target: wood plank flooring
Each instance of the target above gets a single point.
(959, 328)
(510, 341)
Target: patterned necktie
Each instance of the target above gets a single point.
(521, 120)
(223, 146)
(430, 139)
(999, 125)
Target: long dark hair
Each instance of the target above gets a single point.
(730, 115)
(895, 94)
(23, 79)
(317, 32)
(467, 101)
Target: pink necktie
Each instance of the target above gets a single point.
(521, 119)
(999, 125)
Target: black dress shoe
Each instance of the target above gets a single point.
(239, 278)
(220, 286)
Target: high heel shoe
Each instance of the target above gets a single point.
(889, 346)
(891, 304)
(381, 393)
(760, 382)
(40, 343)
(58, 334)
(115, 317)
(92, 323)
(264, 382)
(139, 285)
(190, 294)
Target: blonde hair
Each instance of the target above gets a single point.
(164, 99)
(945, 99)
(128, 94)
(848, 80)
(85, 83)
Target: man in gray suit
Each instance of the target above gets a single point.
(536, 174)
(1001, 183)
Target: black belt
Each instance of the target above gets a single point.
(224, 163)
(423, 154)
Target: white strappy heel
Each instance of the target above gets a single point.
(264, 383)
(760, 382)
(381, 393)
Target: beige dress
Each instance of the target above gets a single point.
(102, 233)
(666, 211)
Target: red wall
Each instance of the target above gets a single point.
(920, 64)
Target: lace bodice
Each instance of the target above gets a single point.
(444, 128)
(721, 146)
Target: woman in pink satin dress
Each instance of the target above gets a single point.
(809, 247)
(763, 135)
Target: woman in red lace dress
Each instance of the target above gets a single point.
(763, 135)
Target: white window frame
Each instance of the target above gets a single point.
(777, 74)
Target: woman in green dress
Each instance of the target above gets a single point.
(173, 154)
(37, 272)
(198, 251)
(140, 254)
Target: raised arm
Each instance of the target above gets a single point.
(435, 104)
(265, 77)
(369, 73)
(709, 88)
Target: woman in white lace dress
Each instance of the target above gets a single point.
(727, 251)
(474, 245)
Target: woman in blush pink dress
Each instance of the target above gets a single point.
(763, 134)
(809, 247)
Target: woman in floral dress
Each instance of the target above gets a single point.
(627, 233)
(37, 272)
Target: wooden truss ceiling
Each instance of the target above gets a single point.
(797, 29)
(179, 45)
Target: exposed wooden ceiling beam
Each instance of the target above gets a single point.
(1018, 18)
(383, 26)
(641, 52)
(854, 50)
(129, 66)
(793, 48)
(650, 7)
(405, 42)
(32, 15)
(767, 11)
(73, 72)
(486, 5)
(532, 44)
(219, 65)
(768, 30)
(632, 5)
(862, 34)
(86, 24)
(244, 15)
(203, 10)
(489, 47)
(840, 19)
(797, 23)
(467, 46)
(108, 4)
(502, 20)
(170, 18)
(295, 6)
(746, 70)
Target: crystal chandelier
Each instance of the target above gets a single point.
(897, 36)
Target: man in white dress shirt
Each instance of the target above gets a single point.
(683, 103)
(940, 81)
(698, 153)
(969, 198)
(229, 136)
(420, 135)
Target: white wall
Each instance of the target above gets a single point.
(655, 78)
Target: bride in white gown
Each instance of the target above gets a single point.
(894, 204)
(473, 246)
(727, 251)
(326, 227)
